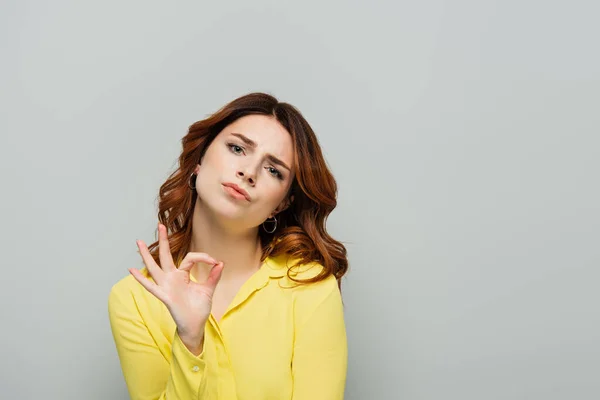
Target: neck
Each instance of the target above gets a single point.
(240, 251)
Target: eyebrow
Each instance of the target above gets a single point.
(251, 143)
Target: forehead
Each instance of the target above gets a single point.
(269, 135)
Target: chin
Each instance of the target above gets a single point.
(228, 212)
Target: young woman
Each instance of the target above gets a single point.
(239, 297)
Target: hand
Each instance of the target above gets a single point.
(188, 302)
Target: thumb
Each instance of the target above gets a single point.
(192, 258)
(215, 275)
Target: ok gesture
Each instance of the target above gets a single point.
(188, 302)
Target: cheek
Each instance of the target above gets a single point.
(215, 162)
(273, 194)
(208, 177)
(224, 163)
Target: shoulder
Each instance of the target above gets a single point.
(293, 273)
(309, 296)
(128, 295)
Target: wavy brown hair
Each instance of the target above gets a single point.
(301, 229)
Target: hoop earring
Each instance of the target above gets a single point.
(190, 180)
(274, 227)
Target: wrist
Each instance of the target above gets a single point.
(193, 342)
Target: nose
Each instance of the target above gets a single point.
(245, 174)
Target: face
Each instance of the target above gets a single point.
(255, 153)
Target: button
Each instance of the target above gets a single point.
(195, 368)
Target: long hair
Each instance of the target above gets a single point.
(301, 229)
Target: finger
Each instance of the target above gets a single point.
(215, 275)
(191, 258)
(164, 250)
(152, 266)
(148, 284)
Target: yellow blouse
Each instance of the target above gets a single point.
(277, 340)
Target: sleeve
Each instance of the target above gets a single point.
(147, 372)
(320, 358)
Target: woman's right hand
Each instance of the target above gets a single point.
(189, 303)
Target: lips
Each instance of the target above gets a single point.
(237, 189)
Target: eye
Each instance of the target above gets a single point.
(275, 172)
(235, 148)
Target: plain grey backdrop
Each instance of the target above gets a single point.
(463, 135)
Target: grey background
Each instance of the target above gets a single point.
(463, 135)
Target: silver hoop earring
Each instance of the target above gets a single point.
(190, 180)
(274, 227)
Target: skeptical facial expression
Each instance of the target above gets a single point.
(247, 171)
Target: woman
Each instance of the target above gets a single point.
(239, 297)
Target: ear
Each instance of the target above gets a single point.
(283, 205)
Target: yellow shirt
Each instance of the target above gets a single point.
(277, 340)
